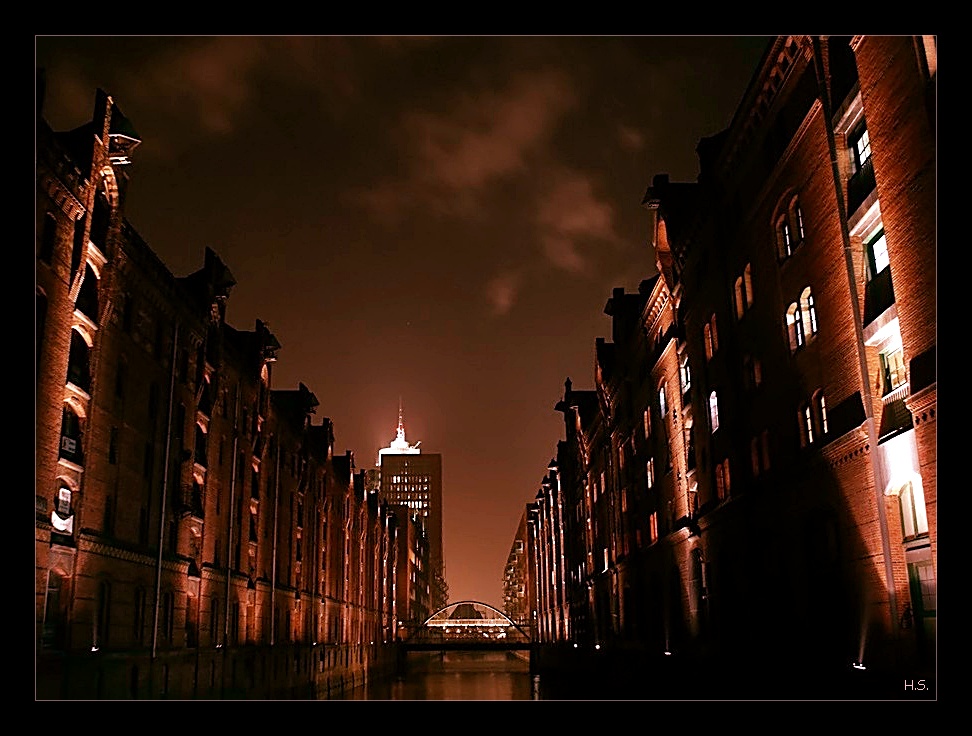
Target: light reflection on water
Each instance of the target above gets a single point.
(455, 676)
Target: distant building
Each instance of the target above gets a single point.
(412, 480)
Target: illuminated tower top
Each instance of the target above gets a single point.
(399, 445)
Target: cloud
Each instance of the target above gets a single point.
(570, 214)
(502, 291)
(452, 158)
(631, 139)
(211, 80)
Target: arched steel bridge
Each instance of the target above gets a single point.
(468, 625)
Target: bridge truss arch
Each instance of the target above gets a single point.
(472, 621)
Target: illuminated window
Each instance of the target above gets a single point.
(819, 413)
(647, 422)
(650, 472)
(806, 425)
(914, 518)
(662, 403)
(714, 411)
(653, 527)
(892, 363)
(685, 374)
(790, 231)
(801, 320)
(861, 145)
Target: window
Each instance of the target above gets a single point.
(710, 337)
(805, 418)
(861, 143)
(653, 527)
(809, 313)
(790, 231)
(685, 374)
(647, 421)
(714, 411)
(766, 449)
(650, 472)
(892, 363)
(662, 404)
(784, 238)
(914, 519)
(722, 480)
(801, 320)
(113, 445)
(744, 292)
(876, 251)
(820, 413)
(139, 619)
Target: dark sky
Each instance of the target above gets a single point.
(435, 220)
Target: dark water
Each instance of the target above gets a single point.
(456, 676)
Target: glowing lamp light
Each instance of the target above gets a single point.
(597, 646)
(859, 666)
(668, 653)
(575, 645)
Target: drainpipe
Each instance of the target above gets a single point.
(273, 562)
(823, 83)
(232, 511)
(165, 485)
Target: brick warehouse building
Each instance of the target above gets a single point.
(195, 536)
(750, 489)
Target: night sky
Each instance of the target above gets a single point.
(437, 221)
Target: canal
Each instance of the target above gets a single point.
(456, 676)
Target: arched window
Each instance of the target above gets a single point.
(794, 327)
(808, 313)
(743, 292)
(739, 292)
(798, 213)
(714, 411)
(820, 412)
(784, 238)
(662, 403)
(806, 425)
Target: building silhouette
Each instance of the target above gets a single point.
(750, 487)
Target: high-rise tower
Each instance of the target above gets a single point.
(413, 479)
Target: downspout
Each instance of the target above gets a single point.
(273, 563)
(823, 83)
(165, 486)
(232, 511)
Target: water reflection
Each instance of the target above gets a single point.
(455, 676)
